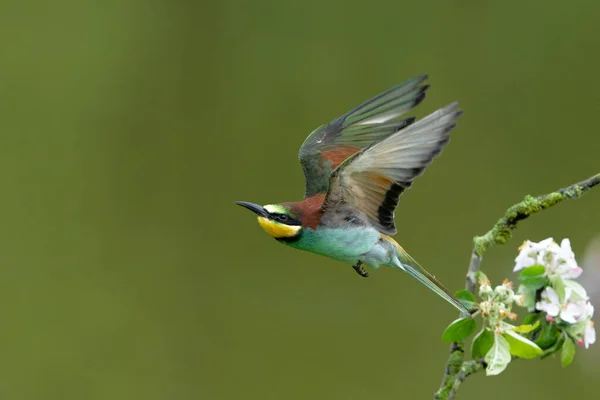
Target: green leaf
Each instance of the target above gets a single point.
(526, 328)
(498, 357)
(459, 330)
(482, 343)
(534, 277)
(480, 276)
(568, 352)
(556, 347)
(531, 318)
(466, 298)
(521, 346)
(558, 284)
(548, 336)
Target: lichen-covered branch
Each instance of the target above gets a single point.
(468, 368)
(453, 367)
(457, 369)
(501, 232)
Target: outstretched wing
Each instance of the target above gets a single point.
(373, 179)
(329, 145)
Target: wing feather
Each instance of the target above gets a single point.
(373, 179)
(330, 145)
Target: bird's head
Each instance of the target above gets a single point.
(276, 219)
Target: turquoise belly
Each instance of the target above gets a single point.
(346, 245)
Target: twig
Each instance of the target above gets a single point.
(457, 369)
(474, 266)
(453, 367)
(468, 368)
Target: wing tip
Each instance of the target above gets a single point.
(455, 108)
(420, 96)
(451, 107)
(455, 113)
(421, 78)
(447, 129)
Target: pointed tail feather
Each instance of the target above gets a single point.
(411, 267)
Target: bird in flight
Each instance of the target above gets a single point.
(356, 167)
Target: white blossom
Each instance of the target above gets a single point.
(529, 254)
(550, 302)
(570, 313)
(565, 264)
(585, 310)
(569, 310)
(589, 335)
(564, 300)
(526, 258)
(558, 260)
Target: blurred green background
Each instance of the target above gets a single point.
(130, 127)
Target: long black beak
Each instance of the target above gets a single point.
(259, 210)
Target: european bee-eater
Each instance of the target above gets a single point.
(355, 168)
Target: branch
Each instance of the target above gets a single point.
(453, 368)
(502, 231)
(457, 369)
(468, 368)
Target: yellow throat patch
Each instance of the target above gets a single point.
(278, 230)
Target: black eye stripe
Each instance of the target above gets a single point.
(284, 218)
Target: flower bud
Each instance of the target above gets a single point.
(485, 290)
(519, 299)
(503, 293)
(507, 284)
(485, 307)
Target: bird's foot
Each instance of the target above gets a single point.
(360, 270)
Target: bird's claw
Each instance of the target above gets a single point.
(360, 270)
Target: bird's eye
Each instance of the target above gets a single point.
(283, 217)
